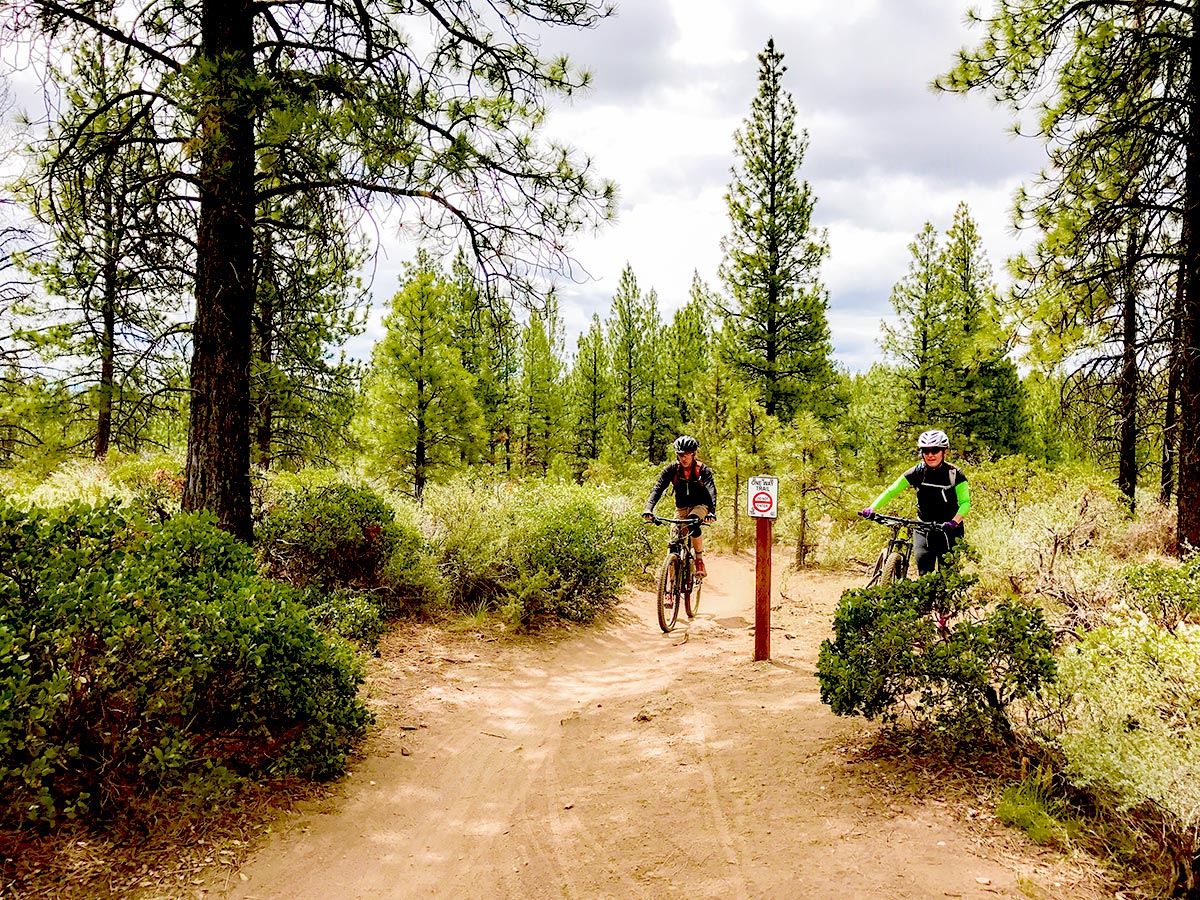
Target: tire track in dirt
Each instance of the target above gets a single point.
(619, 763)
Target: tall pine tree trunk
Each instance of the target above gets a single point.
(1127, 383)
(264, 291)
(1188, 444)
(1170, 417)
(217, 476)
(108, 331)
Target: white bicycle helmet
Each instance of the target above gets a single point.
(933, 440)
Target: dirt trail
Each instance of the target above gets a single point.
(619, 763)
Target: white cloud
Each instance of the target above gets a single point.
(886, 153)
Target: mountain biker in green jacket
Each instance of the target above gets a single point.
(942, 496)
(695, 492)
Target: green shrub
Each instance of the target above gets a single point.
(928, 650)
(569, 551)
(328, 536)
(141, 658)
(1167, 593)
(1125, 715)
(534, 551)
(410, 577)
(353, 616)
(469, 524)
(150, 485)
(75, 481)
(1032, 806)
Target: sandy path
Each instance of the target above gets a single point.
(621, 763)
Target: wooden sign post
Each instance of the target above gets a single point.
(762, 503)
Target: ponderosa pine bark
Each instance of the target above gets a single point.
(217, 476)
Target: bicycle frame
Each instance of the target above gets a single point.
(677, 582)
(893, 561)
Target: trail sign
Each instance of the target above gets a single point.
(762, 496)
(762, 502)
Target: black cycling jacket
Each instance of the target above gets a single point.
(694, 488)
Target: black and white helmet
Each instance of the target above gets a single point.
(933, 440)
(686, 444)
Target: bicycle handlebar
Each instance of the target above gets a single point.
(659, 520)
(898, 521)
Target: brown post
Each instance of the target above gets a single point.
(762, 590)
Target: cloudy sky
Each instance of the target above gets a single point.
(673, 79)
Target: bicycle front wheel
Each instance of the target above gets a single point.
(691, 592)
(893, 569)
(877, 572)
(669, 586)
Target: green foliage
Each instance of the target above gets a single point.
(137, 658)
(485, 333)
(1060, 532)
(631, 328)
(777, 328)
(107, 321)
(537, 551)
(540, 406)
(347, 614)
(948, 346)
(420, 420)
(1168, 593)
(468, 538)
(148, 484)
(890, 657)
(331, 536)
(357, 116)
(1124, 713)
(153, 484)
(589, 395)
(570, 551)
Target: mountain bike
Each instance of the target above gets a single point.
(677, 582)
(892, 562)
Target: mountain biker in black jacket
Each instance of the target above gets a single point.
(695, 492)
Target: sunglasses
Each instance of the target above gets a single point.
(926, 452)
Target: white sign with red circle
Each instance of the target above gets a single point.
(762, 496)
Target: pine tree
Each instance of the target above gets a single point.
(540, 409)
(776, 320)
(590, 395)
(486, 336)
(949, 350)
(420, 418)
(688, 345)
(661, 419)
(982, 397)
(308, 302)
(113, 322)
(1118, 105)
(920, 341)
(630, 328)
(448, 132)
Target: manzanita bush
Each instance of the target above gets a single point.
(140, 657)
(936, 653)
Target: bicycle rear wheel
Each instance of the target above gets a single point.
(669, 588)
(691, 591)
(893, 569)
